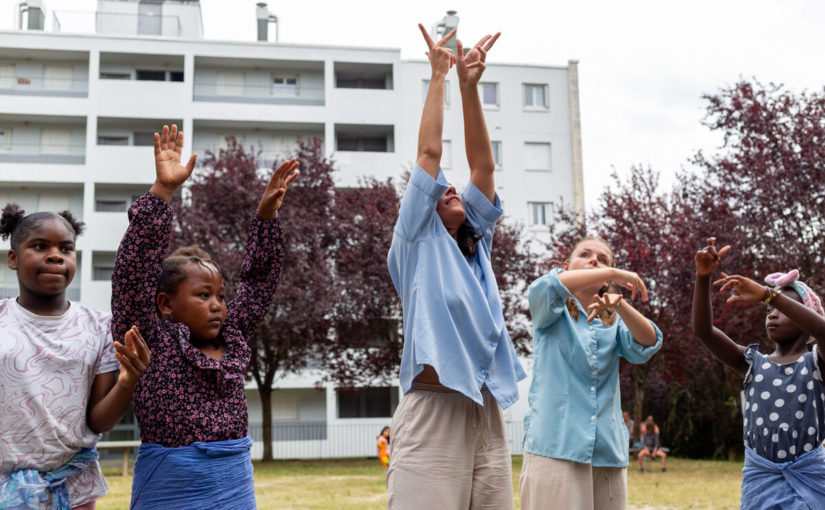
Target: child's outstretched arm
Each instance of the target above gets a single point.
(264, 256)
(477, 145)
(111, 392)
(138, 263)
(750, 291)
(720, 345)
(432, 118)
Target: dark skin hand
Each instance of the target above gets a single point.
(111, 391)
(790, 339)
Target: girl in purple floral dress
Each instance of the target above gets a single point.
(190, 403)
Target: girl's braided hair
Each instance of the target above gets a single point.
(173, 272)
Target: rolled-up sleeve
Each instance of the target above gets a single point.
(419, 202)
(633, 351)
(547, 297)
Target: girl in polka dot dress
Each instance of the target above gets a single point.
(784, 408)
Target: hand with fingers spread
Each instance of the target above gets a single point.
(134, 357)
(441, 58)
(471, 66)
(708, 258)
(631, 281)
(170, 173)
(274, 193)
(746, 290)
(603, 302)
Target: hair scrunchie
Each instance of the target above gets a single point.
(791, 280)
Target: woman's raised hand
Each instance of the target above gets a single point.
(631, 281)
(708, 258)
(471, 66)
(744, 288)
(441, 58)
(274, 193)
(170, 173)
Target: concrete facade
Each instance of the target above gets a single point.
(77, 112)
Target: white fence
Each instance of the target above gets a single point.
(317, 440)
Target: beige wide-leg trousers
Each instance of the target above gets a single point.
(448, 453)
(547, 483)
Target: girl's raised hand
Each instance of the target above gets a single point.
(603, 302)
(134, 357)
(631, 281)
(471, 66)
(745, 289)
(708, 259)
(441, 58)
(170, 173)
(274, 193)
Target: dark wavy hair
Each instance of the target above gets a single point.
(467, 239)
(173, 273)
(16, 224)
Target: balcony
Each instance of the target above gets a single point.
(259, 81)
(276, 141)
(44, 73)
(117, 23)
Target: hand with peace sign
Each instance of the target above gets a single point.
(274, 193)
(471, 66)
(441, 58)
(170, 173)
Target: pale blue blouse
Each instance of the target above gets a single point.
(574, 402)
(452, 312)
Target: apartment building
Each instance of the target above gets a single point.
(82, 93)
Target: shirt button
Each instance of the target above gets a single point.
(592, 388)
(594, 372)
(593, 417)
(593, 356)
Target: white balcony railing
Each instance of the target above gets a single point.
(56, 154)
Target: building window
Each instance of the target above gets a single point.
(539, 213)
(108, 75)
(446, 154)
(55, 141)
(53, 202)
(58, 77)
(535, 96)
(446, 92)
(150, 75)
(366, 403)
(229, 83)
(362, 143)
(537, 156)
(497, 154)
(284, 85)
(5, 139)
(175, 75)
(8, 75)
(150, 21)
(102, 273)
(110, 206)
(144, 139)
(489, 93)
(112, 140)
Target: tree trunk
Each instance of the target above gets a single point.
(639, 376)
(265, 392)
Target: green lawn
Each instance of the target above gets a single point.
(358, 484)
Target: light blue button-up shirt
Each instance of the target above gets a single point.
(575, 407)
(452, 311)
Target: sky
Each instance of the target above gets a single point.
(643, 65)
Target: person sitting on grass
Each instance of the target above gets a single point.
(650, 445)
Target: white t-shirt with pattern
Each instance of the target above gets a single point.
(47, 367)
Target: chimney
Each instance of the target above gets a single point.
(444, 27)
(264, 18)
(36, 11)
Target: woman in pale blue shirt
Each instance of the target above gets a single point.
(575, 441)
(458, 365)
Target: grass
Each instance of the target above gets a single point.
(358, 484)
